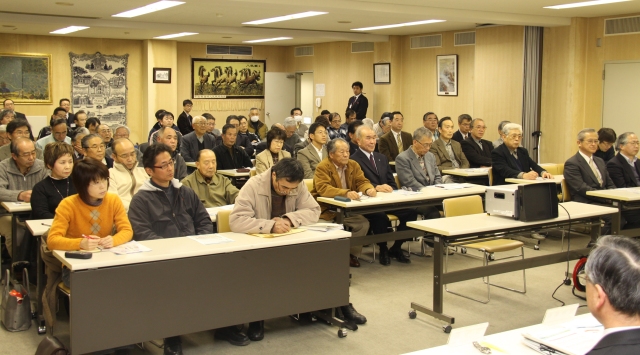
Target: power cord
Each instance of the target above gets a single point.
(567, 279)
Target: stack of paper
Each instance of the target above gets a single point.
(213, 211)
(451, 186)
(128, 248)
(208, 239)
(571, 338)
(324, 227)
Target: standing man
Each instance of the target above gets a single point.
(126, 177)
(197, 140)
(464, 122)
(448, 152)
(430, 122)
(476, 149)
(185, 123)
(58, 134)
(510, 160)
(213, 189)
(395, 141)
(358, 102)
(66, 105)
(311, 155)
(228, 155)
(256, 126)
(94, 147)
(9, 105)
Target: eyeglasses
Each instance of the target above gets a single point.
(592, 141)
(515, 136)
(337, 121)
(165, 166)
(97, 147)
(481, 127)
(426, 145)
(634, 143)
(201, 124)
(105, 130)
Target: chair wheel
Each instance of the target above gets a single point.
(342, 333)
(42, 329)
(492, 257)
(447, 328)
(536, 247)
(463, 250)
(412, 314)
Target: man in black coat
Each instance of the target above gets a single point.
(510, 160)
(358, 102)
(376, 169)
(624, 170)
(477, 150)
(464, 125)
(9, 105)
(613, 298)
(228, 155)
(185, 120)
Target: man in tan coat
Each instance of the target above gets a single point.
(448, 152)
(127, 176)
(213, 189)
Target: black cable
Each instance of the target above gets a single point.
(567, 280)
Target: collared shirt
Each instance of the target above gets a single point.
(478, 142)
(423, 164)
(632, 162)
(452, 156)
(595, 167)
(342, 173)
(464, 135)
(319, 151)
(354, 100)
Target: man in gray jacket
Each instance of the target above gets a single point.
(18, 175)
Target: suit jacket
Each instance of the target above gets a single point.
(17, 114)
(381, 175)
(185, 123)
(505, 167)
(621, 172)
(625, 342)
(457, 136)
(360, 106)
(443, 161)
(389, 146)
(326, 183)
(71, 117)
(264, 160)
(309, 158)
(580, 178)
(242, 141)
(477, 157)
(225, 161)
(411, 174)
(189, 149)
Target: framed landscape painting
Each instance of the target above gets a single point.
(447, 71)
(26, 77)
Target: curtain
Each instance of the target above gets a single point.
(531, 91)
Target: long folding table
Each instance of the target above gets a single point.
(624, 199)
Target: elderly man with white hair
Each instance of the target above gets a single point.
(122, 131)
(290, 127)
(384, 125)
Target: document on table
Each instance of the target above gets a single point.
(406, 192)
(324, 227)
(128, 248)
(274, 235)
(208, 239)
(477, 170)
(451, 186)
(571, 338)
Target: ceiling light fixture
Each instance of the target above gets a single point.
(416, 23)
(181, 34)
(583, 4)
(285, 18)
(267, 40)
(64, 31)
(156, 6)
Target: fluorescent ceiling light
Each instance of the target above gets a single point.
(267, 40)
(584, 3)
(181, 34)
(64, 31)
(285, 18)
(156, 6)
(416, 23)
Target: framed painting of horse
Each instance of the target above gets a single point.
(227, 78)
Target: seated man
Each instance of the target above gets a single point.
(58, 113)
(17, 129)
(273, 202)
(311, 155)
(105, 132)
(18, 175)
(94, 147)
(500, 141)
(464, 124)
(121, 131)
(212, 189)
(256, 126)
(228, 155)
(377, 170)
(384, 125)
(79, 120)
(168, 136)
(242, 141)
(76, 142)
(196, 140)
(476, 149)
(92, 124)
(448, 152)
(396, 140)
(351, 135)
(58, 134)
(624, 170)
(509, 160)
(126, 176)
(612, 271)
(163, 208)
(290, 126)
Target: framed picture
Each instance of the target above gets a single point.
(382, 73)
(227, 78)
(447, 74)
(26, 77)
(162, 75)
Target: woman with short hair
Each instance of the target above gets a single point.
(48, 193)
(274, 152)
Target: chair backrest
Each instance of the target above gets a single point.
(565, 191)
(490, 175)
(461, 206)
(223, 221)
(560, 169)
(309, 183)
(395, 176)
(252, 173)
(142, 147)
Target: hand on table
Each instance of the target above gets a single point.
(353, 195)
(532, 175)
(384, 188)
(89, 242)
(371, 192)
(106, 242)
(546, 175)
(282, 225)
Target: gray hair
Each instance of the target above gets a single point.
(622, 139)
(501, 125)
(118, 126)
(360, 129)
(614, 264)
(331, 145)
(368, 122)
(254, 108)
(510, 127)
(385, 120)
(199, 118)
(464, 117)
(85, 139)
(422, 132)
(584, 132)
(473, 121)
(289, 122)
(3, 128)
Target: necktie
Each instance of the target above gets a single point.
(399, 140)
(373, 164)
(452, 156)
(592, 164)
(424, 167)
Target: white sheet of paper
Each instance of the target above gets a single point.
(465, 336)
(128, 248)
(208, 239)
(560, 314)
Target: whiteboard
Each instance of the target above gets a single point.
(37, 123)
(621, 97)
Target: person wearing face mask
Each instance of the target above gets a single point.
(47, 194)
(256, 126)
(301, 128)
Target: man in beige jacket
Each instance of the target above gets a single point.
(126, 177)
(213, 189)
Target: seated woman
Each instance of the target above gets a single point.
(47, 194)
(606, 137)
(269, 157)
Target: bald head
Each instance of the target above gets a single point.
(23, 152)
(206, 164)
(124, 153)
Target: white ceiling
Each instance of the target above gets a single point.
(215, 19)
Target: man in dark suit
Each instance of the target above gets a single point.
(228, 155)
(196, 141)
(185, 121)
(351, 135)
(376, 168)
(612, 294)
(242, 141)
(464, 124)
(510, 160)
(9, 105)
(66, 105)
(476, 149)
(624, 170)
(358, 102)
(395, 141)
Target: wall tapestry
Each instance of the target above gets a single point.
(26, 78)
(99, 86)
(227, 78)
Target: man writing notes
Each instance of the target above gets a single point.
(358, 102)
(395, 141)
(509, 160)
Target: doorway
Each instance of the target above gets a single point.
(305, 95)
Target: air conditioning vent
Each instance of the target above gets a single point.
(216, 49)
(464, 39)
(361, 47)
(306, 51)
(621, 26)
(430, 41)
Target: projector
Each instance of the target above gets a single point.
(524, 202)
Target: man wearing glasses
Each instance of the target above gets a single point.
(94, 147)
(624, 170)
(127, 176)
(477, 150)
(58, 134)
(17, 129)
(164, 208)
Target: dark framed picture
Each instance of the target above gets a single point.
(227, 78)
(382, 73)
(162, 75)
(447, 75)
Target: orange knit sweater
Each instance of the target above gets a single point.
(74, 218)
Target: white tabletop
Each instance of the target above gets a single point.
(427, 193)
(213, 211)
(481, 222)
(38, 227)
(467, 172)
(233, 172)
(183, 247)
(623, 194)
(556, 178)
(13, 207)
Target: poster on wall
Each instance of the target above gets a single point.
(227, 78)
(26, 78)
(447, 67)
(99, 86)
